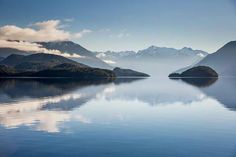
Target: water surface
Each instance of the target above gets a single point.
(139, 117)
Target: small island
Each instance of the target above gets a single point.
(199, 71)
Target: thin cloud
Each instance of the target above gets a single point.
(31, 114)
(121, 34)
(25, 39)
(69, 20)
(109, 61)
(51, 30)
(43, 31)
(33, 47)
(104, 30)
(82, 33)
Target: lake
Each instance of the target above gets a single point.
(126, 117)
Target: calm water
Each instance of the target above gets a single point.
(149, 117)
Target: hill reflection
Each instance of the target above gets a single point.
(222, 89)
(200, 82)
(45, 103)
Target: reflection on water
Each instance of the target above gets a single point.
(143, 117)
(200, 82)
(224, 91)
(41, 102)
(221, 89)
(44, 103)
(37, 88)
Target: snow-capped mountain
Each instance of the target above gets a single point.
(154, 59)
(153, 51)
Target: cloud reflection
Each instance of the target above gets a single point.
(47, 105)
(30, 113)
(45, 112)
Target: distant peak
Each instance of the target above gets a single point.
(187, 48)
(152, 47)
(156, 47)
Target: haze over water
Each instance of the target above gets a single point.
(139, 117)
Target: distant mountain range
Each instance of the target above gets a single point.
(153, 52)
(222, 61)
(153, 60)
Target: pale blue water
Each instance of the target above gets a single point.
(141, 118)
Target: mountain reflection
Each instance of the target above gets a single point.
(221, 89)
(37, 88)
(200, 82)
(224, 91)
(157, 91)
(45, 103)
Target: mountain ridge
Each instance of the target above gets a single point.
(36, 62)
(165, 60)
(68, 47)
(222, 61)
(50, 65)
(87, 57)
(154, 50)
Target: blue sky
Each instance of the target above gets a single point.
(132, 24)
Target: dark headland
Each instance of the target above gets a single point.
(49, 65)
